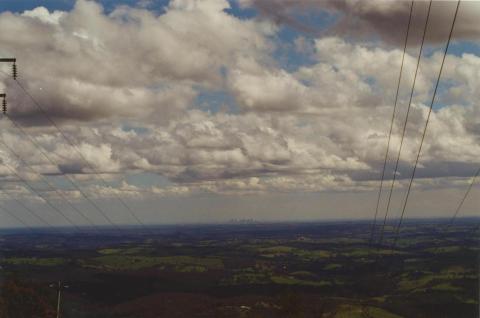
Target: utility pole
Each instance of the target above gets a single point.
(59, 298)
(59, 286)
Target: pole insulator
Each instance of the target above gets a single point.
(4, 106)
(14, 71)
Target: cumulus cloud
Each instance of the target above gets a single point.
(86, 64)
(133, 79)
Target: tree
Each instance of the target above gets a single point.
(20, 299)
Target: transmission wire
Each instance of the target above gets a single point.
(426, 124)
(405, 124)
(44, 180)
(68, 178)
(391, 125)
(37, 104)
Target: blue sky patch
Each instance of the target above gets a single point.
(67, 5)
(138, 130)
(241, 13)
(216, 101)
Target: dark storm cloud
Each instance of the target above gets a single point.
(386, 19)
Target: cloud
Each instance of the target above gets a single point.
(384, 19)
(133, 79)
(129, 62)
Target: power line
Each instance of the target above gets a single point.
(84, 216)
(130, 211)
(391, 124)
(69, 179)
(44, 180)
(29, 210)
(405, 124)
(426, 123)
(457, 210)
(99, 177)
(14, 216)
(4, 108)
(42, 197)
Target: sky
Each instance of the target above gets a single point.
(187, 111)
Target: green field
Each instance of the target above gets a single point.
(286, 270)
(135, 262)
(33, 261)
